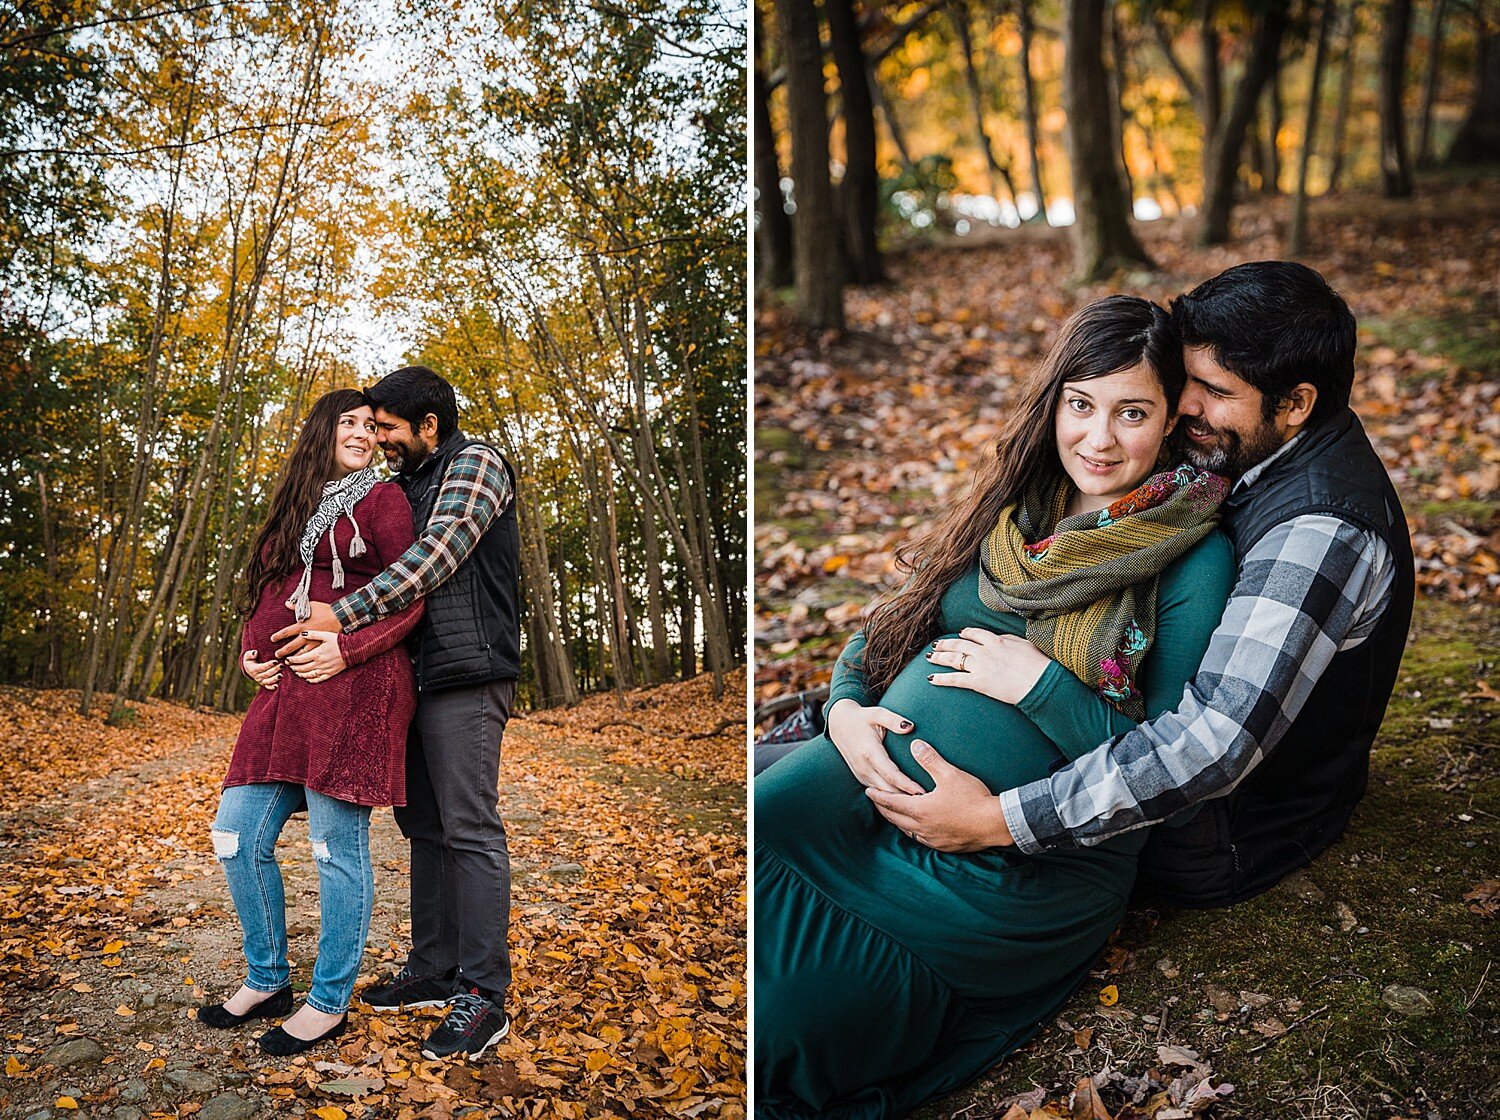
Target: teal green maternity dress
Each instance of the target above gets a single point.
(887, 973)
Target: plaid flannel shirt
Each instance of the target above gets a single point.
(1309, 588)
(476, 490)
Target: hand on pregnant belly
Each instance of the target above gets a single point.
(859, 734)
(1001, 666)
(959, 815)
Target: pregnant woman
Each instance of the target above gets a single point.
(887, 973)
(334, 743)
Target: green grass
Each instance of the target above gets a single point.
(1401, 871)
(1470, 338)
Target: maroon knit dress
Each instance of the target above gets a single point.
(344, 737)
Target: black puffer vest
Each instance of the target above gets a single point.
(1299, 799)
(471, 633)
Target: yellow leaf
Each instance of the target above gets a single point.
(113, 947)
(612, 1035)
(557, 956)
(14, 1066)
(597, 1060)
(1109, 996)
(330, 1112)
(83, 986)
(111, 962)
(123, 1010)
(156, 1063)
(65, 1102)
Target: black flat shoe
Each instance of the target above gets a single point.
(279, 1044)
(275, 1004)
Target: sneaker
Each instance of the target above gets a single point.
(472, 1027)
(406, 989)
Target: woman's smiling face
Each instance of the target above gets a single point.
(1109, 434)
(353, 441)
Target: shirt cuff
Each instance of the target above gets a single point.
(1042, 691)
(1015, 820)
(348, 617)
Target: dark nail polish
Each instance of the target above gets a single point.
(931, 676)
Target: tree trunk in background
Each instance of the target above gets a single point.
(959, 14)
(774, 236)
(1102, 238)
(1023, 12)
(817, 251)
(1229, 140)
(1346, 86)
(1395, 161)
(1118, 80)
(1297, 238)
(51, 673)
(1205, 89)
(1478, 138)
(1425, 157)
(1271, 180)
(859, 193)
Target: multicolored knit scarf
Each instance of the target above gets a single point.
(339, 499)
(1086, 584)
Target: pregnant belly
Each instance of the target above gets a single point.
(988, 738)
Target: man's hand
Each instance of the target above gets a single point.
(859, 734)
(1000, 666)
(320, 659)
(321, 618)
(960, 815)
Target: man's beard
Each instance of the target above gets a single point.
(1232, 454)
(407, 458)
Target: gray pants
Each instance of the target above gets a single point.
(460, 865)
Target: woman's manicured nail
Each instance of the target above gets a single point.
(906, 725)
(931, 676)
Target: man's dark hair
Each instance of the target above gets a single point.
(1275, 324)
(414, 391)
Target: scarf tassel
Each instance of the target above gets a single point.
(338, 569)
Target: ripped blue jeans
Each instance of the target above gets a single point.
(250, 819)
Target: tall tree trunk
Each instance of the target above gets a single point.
(1425, 157)
(859, 193)
(1033, 145)
(1229, 140)
(1271, 178)
(774, 234)
(1478, 137)
(1296, 240)
(51, 673)
(1346, 88)
(959, 14)
(1118, 82)
(1102, 238)
(1395, 160)
(659, 652)
(819, 265)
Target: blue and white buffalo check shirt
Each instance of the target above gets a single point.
(1309, 588)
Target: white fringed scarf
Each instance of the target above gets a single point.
(339, 499)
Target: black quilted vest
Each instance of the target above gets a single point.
(471, 633)
(1299, 799)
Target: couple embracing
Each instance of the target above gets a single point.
(1176, 594)
(346, 576)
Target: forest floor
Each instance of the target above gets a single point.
(627, 840)
(1362, 989)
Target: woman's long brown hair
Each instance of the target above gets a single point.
(298, 491)
(1107, 336)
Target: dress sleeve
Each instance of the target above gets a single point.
(390, 534)
(848, 674)
(1190, 600)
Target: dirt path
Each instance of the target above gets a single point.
(627, 931)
